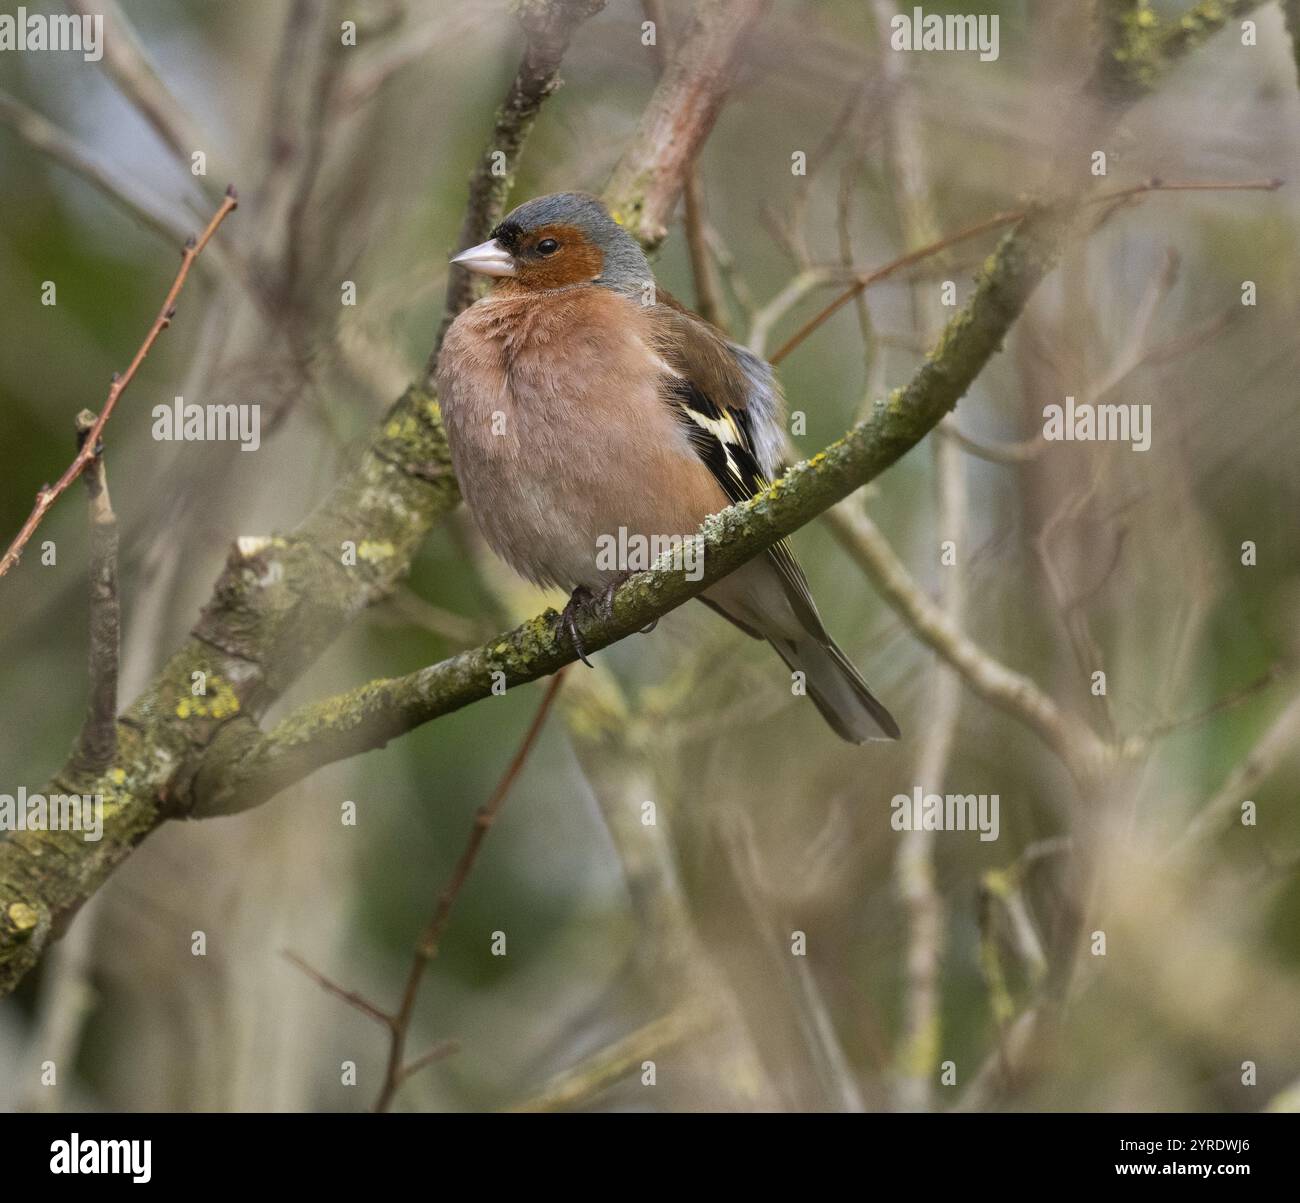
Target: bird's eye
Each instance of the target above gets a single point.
(547, 246)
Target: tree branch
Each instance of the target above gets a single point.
(50, 494)
(248, 767)
(281, 600)
(648, 179)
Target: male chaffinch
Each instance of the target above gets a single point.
(579, 399)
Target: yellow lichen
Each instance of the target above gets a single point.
(220, 701)
(371, 550)
(22, 916)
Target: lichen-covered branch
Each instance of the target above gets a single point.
(248, 767)
(279, 602)
(1137, 45)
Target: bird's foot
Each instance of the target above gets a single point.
(607, 594)
(607, 599)
(579, 600)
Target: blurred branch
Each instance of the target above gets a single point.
(704, 273)
(1068, 736)
(548, 27)
(398, 1068)
(1291, 11)
(1000, 453)
(650, 177)
(98, 739)
(1279, 740)
(610, 1065)
(918, 1053)
(427, 947)
(1138, 45)
(43, 136)
(281, 601)
(48, 495)
(130, 68)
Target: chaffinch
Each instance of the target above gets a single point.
(579, 399)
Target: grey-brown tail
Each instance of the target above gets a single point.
(837, 689)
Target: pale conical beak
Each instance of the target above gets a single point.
(488, 259)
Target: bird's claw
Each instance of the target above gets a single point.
(582, 599)
(579, 599)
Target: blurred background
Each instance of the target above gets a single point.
(934, 971)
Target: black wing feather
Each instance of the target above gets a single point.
(724, 441)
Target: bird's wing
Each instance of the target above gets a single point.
(711, 389)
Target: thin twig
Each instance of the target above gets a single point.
(427, 947)
(351, 997)
(1008, 218)
(1229, 701)
(603, 1069)
(1279, 740)
(48, 495)
(996, 222)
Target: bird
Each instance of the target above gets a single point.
(579, 398)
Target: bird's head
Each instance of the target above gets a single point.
(560, 240)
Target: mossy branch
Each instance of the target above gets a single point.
(280, 601)
(247, 766)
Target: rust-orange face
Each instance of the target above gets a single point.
(552, 255)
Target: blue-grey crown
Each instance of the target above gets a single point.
(626, 267)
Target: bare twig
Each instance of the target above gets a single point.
(603, 1069)
(548, 27)
(398, 1023)
(97, 742)
(50, 494)
(427, 947)
(996, 222)
(1278, 741)
(1010, 217)
(1229, 701)
(351, 997)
